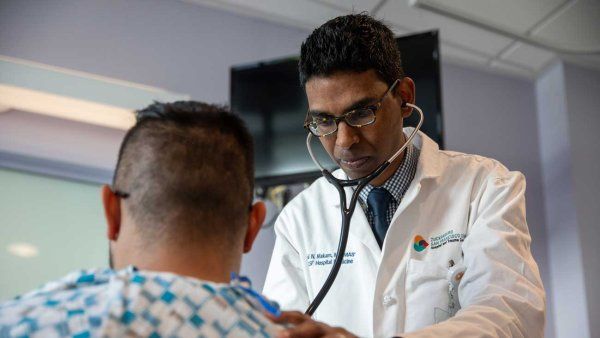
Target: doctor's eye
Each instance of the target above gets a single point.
(360, 117)
(323, 120)
(321, 125)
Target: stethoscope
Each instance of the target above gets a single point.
(347, 212)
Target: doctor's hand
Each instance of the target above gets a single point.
(300, 325)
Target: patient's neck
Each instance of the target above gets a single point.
(209, 263)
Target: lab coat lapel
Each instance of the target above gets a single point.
(359, 225)
(408, 218)
(428, 167)
(430, 164)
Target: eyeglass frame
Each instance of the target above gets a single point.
(337, 119)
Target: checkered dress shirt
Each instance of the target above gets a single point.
(395, 185)
(132, 303)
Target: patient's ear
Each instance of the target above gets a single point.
(257, 217)
(112, 212)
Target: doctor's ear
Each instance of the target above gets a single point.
(255, 222)
(406, 90)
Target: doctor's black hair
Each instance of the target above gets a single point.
(188, 170)
(355, 43)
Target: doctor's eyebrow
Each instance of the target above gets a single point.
(362, 103)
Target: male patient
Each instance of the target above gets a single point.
(179, 216)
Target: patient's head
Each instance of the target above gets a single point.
(183, 182)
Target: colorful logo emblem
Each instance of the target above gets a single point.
(420, 243)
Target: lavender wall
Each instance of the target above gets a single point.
(188, 49)
(168, 44)
(583, 102)
(563, 237)
(567, 98)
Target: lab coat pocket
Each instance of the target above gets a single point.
(427, 294)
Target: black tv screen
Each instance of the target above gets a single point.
(268, 96)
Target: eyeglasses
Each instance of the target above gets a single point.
(121, 194)
(325, 124)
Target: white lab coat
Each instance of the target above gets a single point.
(469, 209)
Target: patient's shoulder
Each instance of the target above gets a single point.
(132, 302)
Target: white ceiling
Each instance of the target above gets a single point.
(564, 24)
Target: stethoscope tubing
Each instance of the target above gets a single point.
(347, 212)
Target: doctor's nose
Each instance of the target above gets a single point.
(346, 136)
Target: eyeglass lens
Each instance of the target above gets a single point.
(323, 125)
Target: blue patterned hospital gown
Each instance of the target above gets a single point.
(128, 302)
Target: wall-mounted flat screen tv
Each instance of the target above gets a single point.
(268, 96)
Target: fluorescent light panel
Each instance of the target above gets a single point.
(63, 107)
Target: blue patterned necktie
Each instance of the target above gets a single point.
(378, 202)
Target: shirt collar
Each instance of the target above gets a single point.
(399, 182)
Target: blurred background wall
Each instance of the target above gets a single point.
(61, 218)
(542, 121)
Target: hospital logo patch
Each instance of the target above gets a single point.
(446, 238)
(420, 243)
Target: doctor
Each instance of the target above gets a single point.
(439, 245)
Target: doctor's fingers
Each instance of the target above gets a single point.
(290, 317)
(304, 327)
(312, 328)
